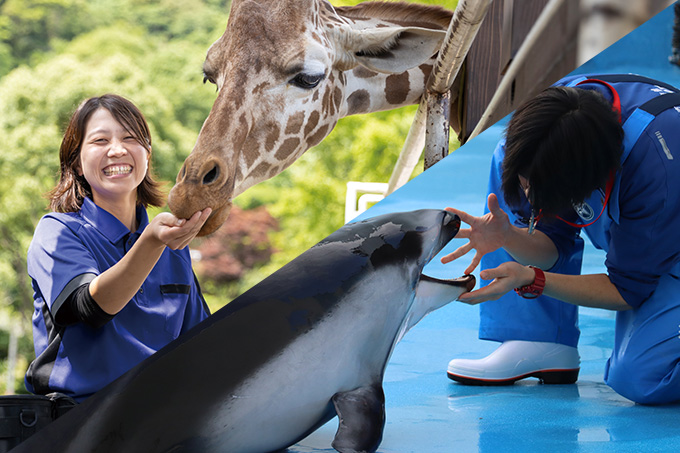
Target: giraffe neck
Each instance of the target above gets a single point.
(370, 91)
(356, 91)
(282, 89)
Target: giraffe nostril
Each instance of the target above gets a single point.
(211, 176)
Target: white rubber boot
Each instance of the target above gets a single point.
(552, 363)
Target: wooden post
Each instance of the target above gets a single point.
(551, 56)
(437, 128)
(465, 24)
(460, 35)
(547, 17)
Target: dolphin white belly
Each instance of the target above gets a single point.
(307, 343)
(295, 386)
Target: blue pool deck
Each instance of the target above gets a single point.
(428, 413)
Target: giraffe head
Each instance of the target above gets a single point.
(286, 71)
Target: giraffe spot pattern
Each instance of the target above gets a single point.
(259, 89)
(363, 73)
(251, 148)
(239, 133)
(426, 69)
(358, 102)
(295, 123)
(261, 170)
(233, 126)
(326, 101)
(272, 137)
(287, 148)
(337, 99)
(318, 135)
(312, 122)
(396, 88)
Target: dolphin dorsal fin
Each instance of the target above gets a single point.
(361, 419)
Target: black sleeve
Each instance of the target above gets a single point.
(81, 307)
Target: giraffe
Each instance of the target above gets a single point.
(286, 72)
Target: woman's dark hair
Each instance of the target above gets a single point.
(565, 141)
(72, 188)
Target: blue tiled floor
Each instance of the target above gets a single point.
(426, 412)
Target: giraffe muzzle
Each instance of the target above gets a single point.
(201, 185)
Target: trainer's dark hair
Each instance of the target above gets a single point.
(565, 141)
(70, 191)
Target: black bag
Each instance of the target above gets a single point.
(21, 416)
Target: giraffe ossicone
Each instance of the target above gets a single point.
(286, 72)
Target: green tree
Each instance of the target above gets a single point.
(28, 26)
(55, 53)
(35, 105)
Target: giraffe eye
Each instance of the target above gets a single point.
(307, 81)
(207, 78)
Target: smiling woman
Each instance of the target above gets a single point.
(111, 288)
(114, 162)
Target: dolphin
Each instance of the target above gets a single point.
(306, 344)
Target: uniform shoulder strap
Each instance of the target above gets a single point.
(621, 78)
(661, 103)
(638, 121)
(616, 78)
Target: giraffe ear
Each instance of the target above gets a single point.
(389, 50)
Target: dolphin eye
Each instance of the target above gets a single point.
(306, 81)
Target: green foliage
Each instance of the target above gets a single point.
(32, 28)
(29, 26)
(56, 53)
(53, 55)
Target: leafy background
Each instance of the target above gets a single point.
(55, 53)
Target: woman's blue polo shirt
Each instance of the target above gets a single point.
(71, 249)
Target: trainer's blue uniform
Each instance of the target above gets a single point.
(640, 232)
(71, 249)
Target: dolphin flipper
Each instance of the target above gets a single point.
(361, 415)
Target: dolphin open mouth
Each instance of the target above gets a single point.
(466, 281)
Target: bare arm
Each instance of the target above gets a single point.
(595, 290)
(493, 231)
(114, 288)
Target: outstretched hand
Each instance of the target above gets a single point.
(506, 277)
(486, 234)
(177, 233)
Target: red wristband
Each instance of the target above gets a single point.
(536, 288)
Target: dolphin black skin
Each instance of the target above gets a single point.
(306, 344)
